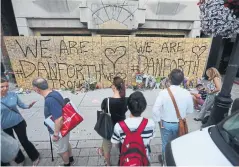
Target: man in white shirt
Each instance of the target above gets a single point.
(164, 112)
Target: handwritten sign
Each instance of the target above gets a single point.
(67, 62)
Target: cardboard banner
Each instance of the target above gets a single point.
(67, 62)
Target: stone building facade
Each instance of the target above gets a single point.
(163, 18)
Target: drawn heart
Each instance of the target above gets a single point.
(113, 55)
(198, 51)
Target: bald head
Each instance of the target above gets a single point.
(40, 83)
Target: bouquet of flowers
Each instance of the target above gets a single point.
(218, 20)
(233, 5)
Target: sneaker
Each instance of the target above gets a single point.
(73, 163)
(62, 164)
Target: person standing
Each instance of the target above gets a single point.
(12, 120)
(54, 103)
(137, 105)
(214, 87)
(164, 112)
(117, 109)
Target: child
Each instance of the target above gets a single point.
(199, 97)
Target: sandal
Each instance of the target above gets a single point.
(99, 151)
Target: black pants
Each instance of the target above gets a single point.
(20, 130)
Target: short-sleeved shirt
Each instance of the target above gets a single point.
(118, 108)
(53, 106)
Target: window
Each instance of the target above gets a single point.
(231, 127)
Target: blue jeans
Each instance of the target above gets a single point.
(168, 133)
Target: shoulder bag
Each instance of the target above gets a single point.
(182, 126)
(104, 125)
(71, 117)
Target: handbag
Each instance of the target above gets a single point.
(71, 118)
(182, 126)
(104, 125)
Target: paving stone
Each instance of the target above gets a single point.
(89, 143)
(76, 152)
(156, 141)
(42, 162)
(156, 148)
(74, 143)
(93, 152)
(98, 143)
(42, 145)
(45, 153)
(82, 161)
(58, 161)
(154, 158)
(93, 161)
(114, 160)
(49, 162)
(155, 164)
(84, 152)
(101, 161)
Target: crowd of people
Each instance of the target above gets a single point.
(164, 116)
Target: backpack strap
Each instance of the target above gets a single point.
(142, 126)
(124, 127)
(62, 105)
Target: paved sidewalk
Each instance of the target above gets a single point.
(83, 138)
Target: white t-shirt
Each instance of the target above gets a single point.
(133, 124)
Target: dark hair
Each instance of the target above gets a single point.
(40, 83)
(176, 77)
(120, 86)
(137, 103)
(198, 85)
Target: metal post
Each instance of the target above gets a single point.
(223, 101)
(215, 53)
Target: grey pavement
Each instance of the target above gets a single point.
(83, 138)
